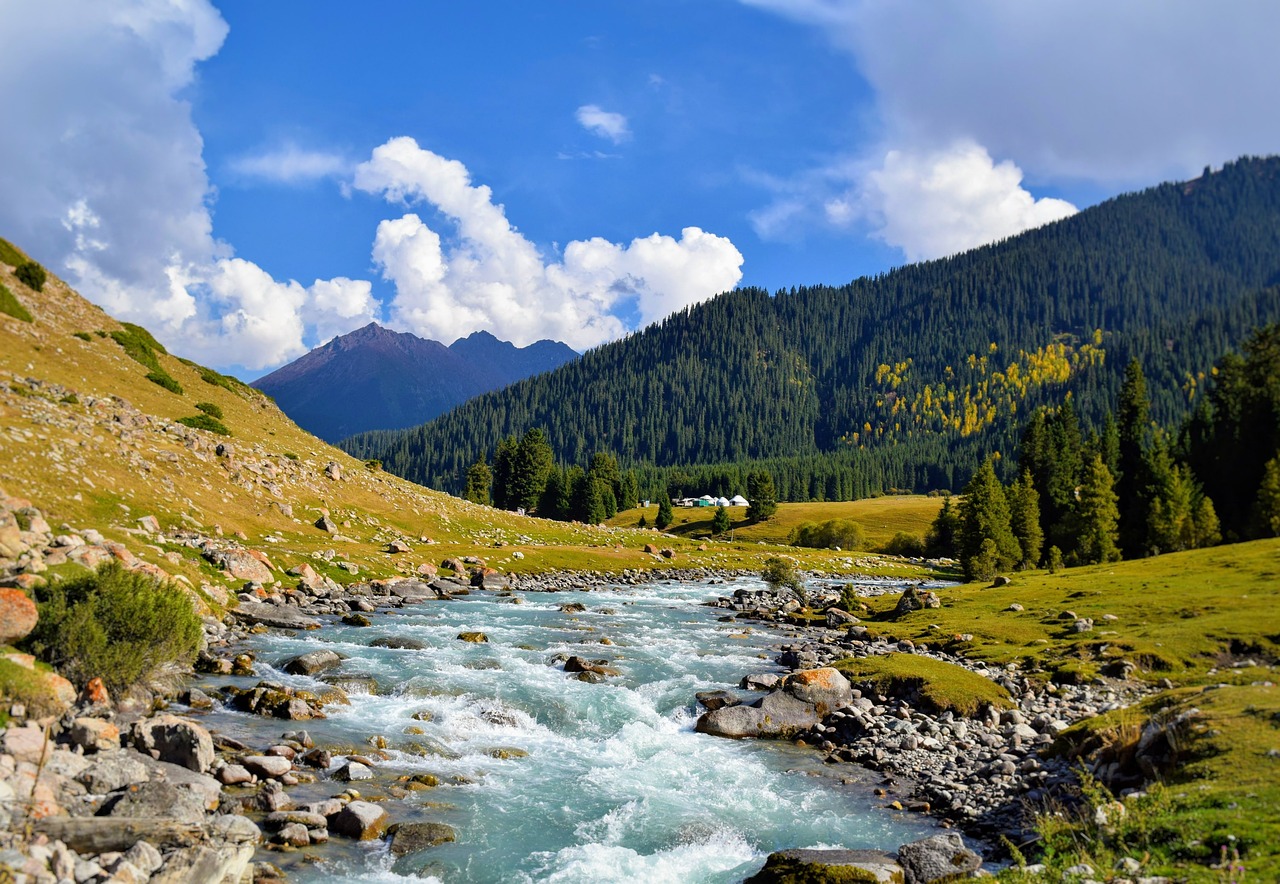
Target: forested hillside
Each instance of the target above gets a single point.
(907, 379)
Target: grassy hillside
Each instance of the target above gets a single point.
(880, 517)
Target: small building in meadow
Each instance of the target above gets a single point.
(737, 500)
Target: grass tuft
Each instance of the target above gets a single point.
(936, 685)
(11, 305)
(205, 422)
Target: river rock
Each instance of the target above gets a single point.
(412, 837)
(273, 615)
(311, 663)
(777, 716)
(267, 766)
(94, 735)
(787, 866)
(938, 858)
(18, 616)
(826, 689)
(352, 771)
(156, 799)
(361, 820)
(175, 740)
(475, 637)
(761, 681)
(398, 643)
(242, 564)
(114, 770)
(713, 700)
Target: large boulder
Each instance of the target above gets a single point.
(412, 837)
(242, 564)
(870, 866)
(938, 858)
(916, 599)
(311, 662)
(777, 716)
(156, 799)
(361, 820)
(826, 689)
(175, 740)
(273, 615)
(18, 616)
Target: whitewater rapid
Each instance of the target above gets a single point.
(615, 785)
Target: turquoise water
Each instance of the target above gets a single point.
(616, 785)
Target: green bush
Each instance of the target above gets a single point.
(164, 379)
(31, 275)
(84, 336)
(210, 409)
(910, 546)
(121, 626)
(70, 399)
(844, 533)
(11, 305)
(136, 348)
(205, 422)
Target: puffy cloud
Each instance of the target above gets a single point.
(489, 276)
(291, 164)
(944, 202)
(1111, 92)
(926, 203)
(604, 123)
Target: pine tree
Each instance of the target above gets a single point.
(529, 470)
(479, 479)
(503, 470)
(763, 496)
(556, 501)
(1133, 480)
(1024, 519)
(720, 523)
(984, 515)
(1268, 507)
(664, 517)
(944, 533)
(1097, 516)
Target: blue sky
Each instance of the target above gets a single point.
(248, 179)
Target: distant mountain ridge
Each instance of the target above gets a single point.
(905, 379)
(375, 378)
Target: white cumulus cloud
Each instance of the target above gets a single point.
(943, 202)
(927, 203)
(606, 124)
(488, 275)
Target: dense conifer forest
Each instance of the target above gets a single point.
(910, 379)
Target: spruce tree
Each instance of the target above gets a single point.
(503, 470)
(720, 523)
(941, 541)
(762, 495)
(1133, 480)
(529, 470)
(1024, 519)
(1097, 516)
(479, 479)
(1268, 506)
(984, 515)
(664, 517)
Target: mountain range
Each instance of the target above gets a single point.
(907, 379)
(375, 378)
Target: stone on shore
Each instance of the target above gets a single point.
(871, 866)
(777, 716)
(17, 616)
(273, 615)
(361, 820)
(412, 837)
(174, 740)
(311, 662)
(826, 689)
(938, 858)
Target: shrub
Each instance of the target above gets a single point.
(210, 409)
(906, 545)
(205, 422)
(136, 348)
(290, 455)
(11, 305)
(31, 275)
(781, 575)
(373, 465)
(844, 533)
(121, 626)
(84, 336)
(164, 379)
(70, 399)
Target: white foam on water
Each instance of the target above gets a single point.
(701, 860)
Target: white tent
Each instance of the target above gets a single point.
(737, 500)
(720, 501)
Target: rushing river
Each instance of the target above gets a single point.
(616, 785)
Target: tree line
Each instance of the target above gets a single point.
(1132, 489)
(905, 380)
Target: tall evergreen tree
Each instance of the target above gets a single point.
(530, 468)
(1097, 516)
(1133, 480)
(479, 480)
(984, 515)
(720, 522)
(943, 537)
(762, 496)
(1268, 518)
(1024, 519)
(503, 471)
(556, 501)
(664, 517)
